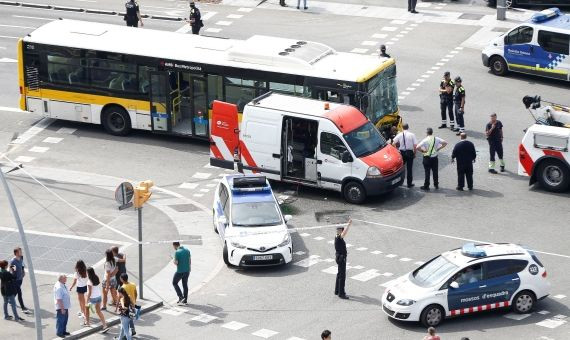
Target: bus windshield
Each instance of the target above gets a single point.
(365, 140)
(383, 95)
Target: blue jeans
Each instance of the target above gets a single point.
(10, 299)
(61, 322)
(125, 331)
(184, 277)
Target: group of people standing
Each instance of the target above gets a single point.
(12, 275)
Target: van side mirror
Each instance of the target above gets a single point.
(454, 285)
(223, 220)
(346, 157)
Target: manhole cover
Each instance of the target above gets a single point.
(471, 16)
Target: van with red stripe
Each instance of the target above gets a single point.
(305, 141)
(474, 278)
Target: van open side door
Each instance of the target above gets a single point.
(224, 137)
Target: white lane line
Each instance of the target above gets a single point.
(390, 43)
(398, 22)
(395, 39)
(355, 267)
(389, 29)
(369, 43)
(9, 37)
(414, 25)
(426, 75)
(430, 72)
(319, 238)
(454, 52)
(15, 26)
(198, 195)
(447, 236)
(39, 149)
(391, 256)
(361, 248)
(201, 175)
(359, 50)
(234, 325)
(8, 60)
(416, 84)
(184, 29)
(435, 67)
(24, 159)
(517, 317)
(444, 59)
(411, 89)
(265, 333)
(74, 237)
(304, 234)
(450, 55)
(399, 35)
(33, 131)
(421, 80)
(440, 64)
(213, 30)
(211, 185)
(36, 18)
(204, 318)
(387, 274)
(66, 131)
(204, 190)
(244, 9)
(405, 259)
(459, 48)
(404, 32)
(331, 270)
(559, 296)
(52, 140)
(309, 261)
(367, 275)
(187, 185)
(379, 35)
(223, 23)
(376, 252)
(405, 93)
(234, 16)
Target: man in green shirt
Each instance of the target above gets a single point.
(182, 262)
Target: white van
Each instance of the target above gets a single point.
(540, 46)
(306, 141)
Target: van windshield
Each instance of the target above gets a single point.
(365, 140)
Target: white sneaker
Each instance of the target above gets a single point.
(80, 315)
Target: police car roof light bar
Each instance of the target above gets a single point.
(250, 182)
(546, 14)
(469, 249)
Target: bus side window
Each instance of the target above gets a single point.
(215, 89)
(144, 74)
(554, 42)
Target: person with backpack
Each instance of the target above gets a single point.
(126, 308)
(9, 290)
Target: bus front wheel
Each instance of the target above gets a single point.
(116, 121)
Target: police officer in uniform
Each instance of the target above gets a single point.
(195, 18)
(383, 53)
(494, 133)
(133, 15)
(282, 3)
(459, 100)
(446, 100)
(340, 249)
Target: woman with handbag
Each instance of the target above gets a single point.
(126, 310)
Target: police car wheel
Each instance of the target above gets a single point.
(553, 175)
(214, 221)
(524, 302)
(498, 66)
(432, 316)
(225, 255)
(354, 192)
(116, 121)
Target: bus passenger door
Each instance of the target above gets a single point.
(159, 103)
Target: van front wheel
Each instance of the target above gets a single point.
(354, 193)
(498, 66)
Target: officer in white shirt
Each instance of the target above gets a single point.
(430, 147)
(406, 142)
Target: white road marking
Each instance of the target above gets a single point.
(208, 15)
(223, 23)
(430, 72)
(74, 237)
(328, 260)
(348, 245)
(213, 30)
(234, 16)
(559, 296)
(39, 149)
(52, 140)
(454, 52)
(395, 39)
(319, 238)
(423, 5)
(551, 323)
(184, 29)
(331, 241)
(390, 43)
(367, 275)
(66, 131)
(361, 248)
(304, 234)
(244, 9)
(24, 159)
(416, 84)
(459, 48)
(426, 75)
(172, 311)
(211, 185)
(419, 263)
(359, 267)
(543, 312)
(514, 316)
(7, 60)
(414, 25)
(438, 7)
(391, 256)
(421, 80)
(306, 263)
(389, 28)
(379, 35)
(14, 26)
(405, 93)
(404, 32)
(201, 175)
(405, 259)
(359, 50)
(399, 35)
(388, 283)
(234, 325)
(331, 270)
(444, 59)
(387, 274)
(440, 64)
(187, 185)
(450, 55)
(198, 195)
(204, 318)
(398, 22)
(204, 190)
(265, 333)
(401, 97)
(435, 67)
(376, 252)
(411, 89)
(369, 43)
(299, 252)
(295, 338)
(36, 18)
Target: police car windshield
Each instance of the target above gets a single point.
(365, 140)
(433, 272)
(255, 214)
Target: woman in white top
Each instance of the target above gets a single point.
(94, 297)
(80, 278)
(110, 281)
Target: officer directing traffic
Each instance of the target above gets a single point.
(133, 15)
(341, 253)
(446, 100)
(195, 18)
(459, 101)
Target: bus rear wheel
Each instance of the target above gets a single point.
(116, 121)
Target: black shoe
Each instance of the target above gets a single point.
(413, 11)
(184, 301)
(283, 5)
(436, 186)
(335, 293)
(458, 133)
(180, 300)
(459, 188)
(442, 126)
(471, 189)
(298, 7)
(423, 187)
(66, 333)
(411, 185)
(493, 171)
(306, 7)
(344, 297)
(502, 169)
(26, 311)
(61, 335)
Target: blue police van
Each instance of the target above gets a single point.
(540, 46)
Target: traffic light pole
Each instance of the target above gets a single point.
(37, 310)
(139, 210)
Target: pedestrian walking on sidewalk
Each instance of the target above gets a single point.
(494, 132)
(446, 100)
(80, 279)
(121, 261)
(9, 290)
(430, 146)
(340, 258)
(62, 302)
(94, 298)
(431, 335)
(131, 290)
(110, 282)
(326, 335)
(133, 14)
(125, 310)
(406, 142)
(304, 4)
(464, 153)
(18, 262)
(182, 261)
(195, 18)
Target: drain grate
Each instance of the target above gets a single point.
(471, 16)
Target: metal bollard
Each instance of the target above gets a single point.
(501, 9)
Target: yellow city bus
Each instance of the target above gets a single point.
(126, 78)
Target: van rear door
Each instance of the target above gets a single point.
(224, 137)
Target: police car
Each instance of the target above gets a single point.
(249, 221)
(470, 279)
